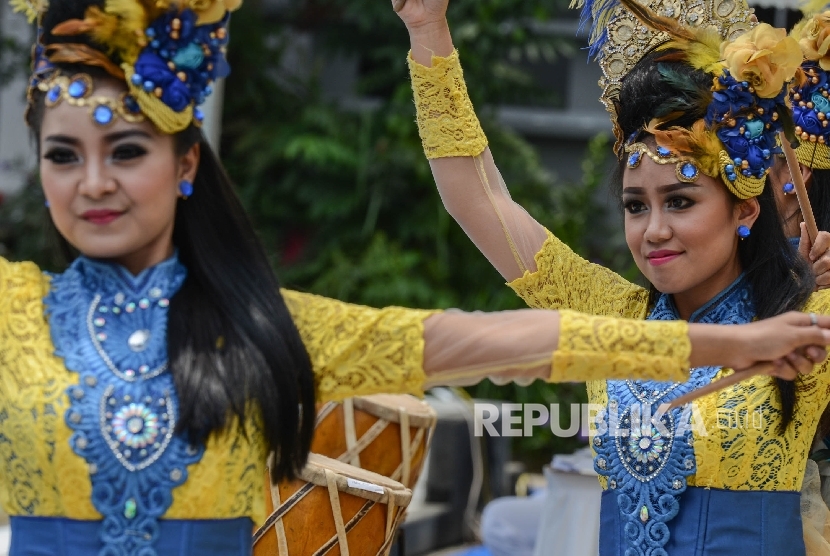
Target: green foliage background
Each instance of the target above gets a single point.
(343, 197)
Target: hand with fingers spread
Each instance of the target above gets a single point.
(794, 342)
(818, 254)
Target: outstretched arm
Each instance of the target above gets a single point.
(521, 346)
(356, 350)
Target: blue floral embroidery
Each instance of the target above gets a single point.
(648, 456)
(111, 329)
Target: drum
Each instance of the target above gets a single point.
(332, 509)
(385, 433)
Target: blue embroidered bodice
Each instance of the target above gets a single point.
(647, 456)
(111, 328)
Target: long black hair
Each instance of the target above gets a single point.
(234, 350)
(781, 281)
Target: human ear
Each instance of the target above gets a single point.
(747, 212)
(189, 163)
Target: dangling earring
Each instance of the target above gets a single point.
(788, 188)
(46, 204)
(743, 231)
(186, 188)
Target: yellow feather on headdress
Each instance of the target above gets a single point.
(30, 8)
(119, 27)
(698, 143)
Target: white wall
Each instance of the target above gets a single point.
(16, 154)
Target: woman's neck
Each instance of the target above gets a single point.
(689, 301)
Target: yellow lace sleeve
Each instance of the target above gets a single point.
(446, 120)
(356, 350)
(592, 348)
(564, 280)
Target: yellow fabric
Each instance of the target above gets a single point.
(813, 155)
(447, 123)
(592, 348)
(354, 351)
(742, 448)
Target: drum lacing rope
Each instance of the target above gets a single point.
(351, 434)
(334, 498)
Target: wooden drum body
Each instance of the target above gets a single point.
(386, 434)
(332, 509)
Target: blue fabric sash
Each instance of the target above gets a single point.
(715, 522)
(57, 536)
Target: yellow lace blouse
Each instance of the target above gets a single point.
(354, 350)
(742, 448)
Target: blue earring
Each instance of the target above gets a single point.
(186, 188)
(743, 232)
(46, 204)
(788, 188)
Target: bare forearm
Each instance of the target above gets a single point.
(430, 39)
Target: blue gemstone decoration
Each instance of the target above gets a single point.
(149, 86)
(131, 104)
(789, 187)
(155, 44)
(743, 231)
(663, 152)
(198, 114)
(729, 168)
(732, 177)
(54, 94)
(634, 159)
(77, 88)
(689, 170)
(151, 32)
(737, 161)
(103, 114)
(186, 188)
(746, 173)
(137, 80)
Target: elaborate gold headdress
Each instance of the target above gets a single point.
(619, 40)
(741, 109)
(169, 52)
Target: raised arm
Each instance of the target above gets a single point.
(543, 270)
(469, 182)
(358, 350)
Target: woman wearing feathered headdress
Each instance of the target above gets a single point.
(697, 95)
(142, 388)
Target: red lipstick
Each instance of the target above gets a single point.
(101, 217)
(662, 256)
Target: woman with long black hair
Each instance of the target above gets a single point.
(142, 388)
(696, 93)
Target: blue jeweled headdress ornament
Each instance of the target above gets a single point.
(744, 107)
(810, 102)
(170, 53)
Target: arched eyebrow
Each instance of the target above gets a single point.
(662, 189)
(109, 138)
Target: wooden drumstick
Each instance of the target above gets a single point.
(800, 188)
(398, 5)
(734, 378)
